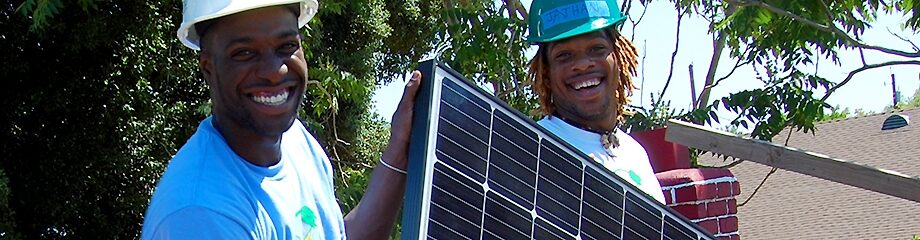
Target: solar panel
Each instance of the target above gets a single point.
(479, 169)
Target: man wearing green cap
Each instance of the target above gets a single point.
(252, 170)
(582, 73)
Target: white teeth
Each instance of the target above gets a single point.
(272, 100)
(589, 83)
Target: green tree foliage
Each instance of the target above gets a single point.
(655, 117)
(6, 213)
(96, 102)
(907, 103)
(836, 114)
(785, 36)
(100, 95)
(485, 41)
(781, 39)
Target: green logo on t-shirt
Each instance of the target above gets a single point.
(633, 176)
(308, 218)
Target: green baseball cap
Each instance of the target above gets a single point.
(552, 20)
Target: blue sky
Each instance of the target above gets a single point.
(655, 37)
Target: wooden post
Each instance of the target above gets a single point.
(692, 88)
(809, 163)
(894, 93)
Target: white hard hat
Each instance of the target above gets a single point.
(196, 11)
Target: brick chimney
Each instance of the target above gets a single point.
(706, 197)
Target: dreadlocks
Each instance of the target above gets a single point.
(625, 55)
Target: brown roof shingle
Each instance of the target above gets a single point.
(796, 206)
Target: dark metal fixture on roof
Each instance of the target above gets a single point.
(895, 121)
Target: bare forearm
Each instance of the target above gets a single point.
(374, 216)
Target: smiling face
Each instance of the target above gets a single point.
(583, 79)
(256, 71)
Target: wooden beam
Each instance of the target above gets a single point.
(809, 163)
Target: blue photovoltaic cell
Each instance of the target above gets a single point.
(480, 170)
(545, 230)
(559, 189)
(463, 135)
(453, 191)
(504, 220)
(513, 164)
(640, 221)
(674, 231)
(601, 207)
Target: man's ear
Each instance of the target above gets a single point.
(206, 65)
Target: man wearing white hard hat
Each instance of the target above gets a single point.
(252, 170)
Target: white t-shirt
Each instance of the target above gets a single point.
(210, 192)
(629, 160)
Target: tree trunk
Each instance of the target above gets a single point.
(717, 45)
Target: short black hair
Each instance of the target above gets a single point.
(202, 27)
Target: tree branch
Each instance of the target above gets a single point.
(862, 56)
(789, 136)
(735, 162)
(768, 174)
(501, 94)
(826, 28)
(360, 164)
(625, 7)
(718, 45)
(335, 134)
(758, 187)
(497, 89)
(680, 17)
(635, 23)
(780, 11)
(732, 164)
(827, 11)
(515, 8)
(863, 68)
(451, 18)
(738, 64)
(903, 39)
(642, 85)
(706, 89)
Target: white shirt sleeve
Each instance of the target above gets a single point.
(199, 223)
